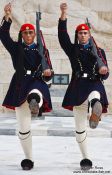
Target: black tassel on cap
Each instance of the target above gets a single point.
(20, 60)
(76, 38)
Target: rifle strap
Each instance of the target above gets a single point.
(99, 51)
(44, 45)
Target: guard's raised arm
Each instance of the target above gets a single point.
(5, 38)
(63, 36)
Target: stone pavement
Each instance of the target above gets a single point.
(52, 125)
(55, 156)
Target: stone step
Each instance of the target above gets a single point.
(54, 126)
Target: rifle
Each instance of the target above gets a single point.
(95, 49)
(39, 41)
(46, 62)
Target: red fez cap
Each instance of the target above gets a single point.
(82, 27)
(27, 27)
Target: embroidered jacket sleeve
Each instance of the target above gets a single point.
(64, 38)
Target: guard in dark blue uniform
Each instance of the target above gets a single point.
(86, 94)
(27, 91)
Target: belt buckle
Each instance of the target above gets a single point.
(85, 75)
(28, 72)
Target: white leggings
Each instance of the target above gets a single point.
(23, 115)
(80, 115)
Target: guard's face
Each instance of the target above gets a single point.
(28, 36)
(83, 36)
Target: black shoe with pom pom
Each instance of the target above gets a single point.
(86, 164)
(27, 164)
